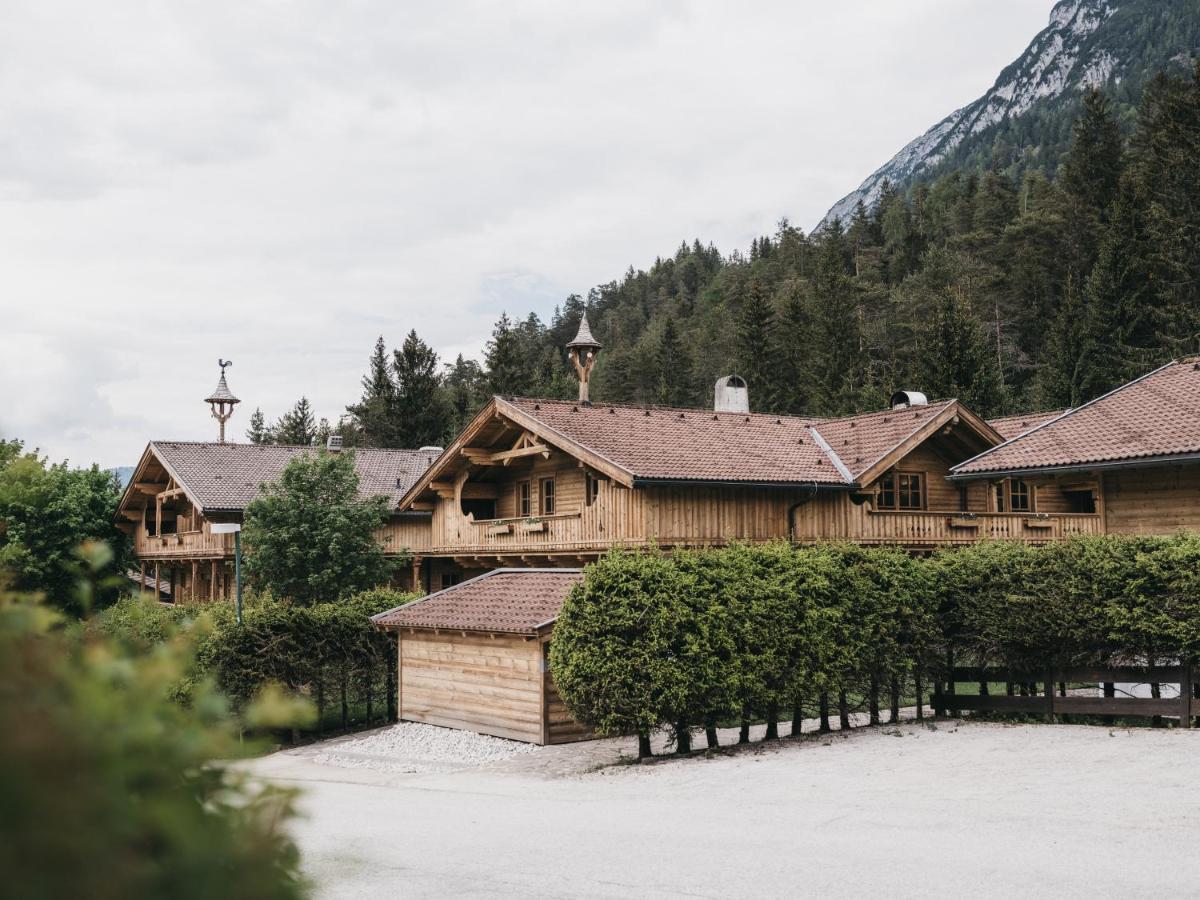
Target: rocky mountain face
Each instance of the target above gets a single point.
(1024, 121)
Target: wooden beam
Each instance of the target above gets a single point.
(147, 487)
(483, 457)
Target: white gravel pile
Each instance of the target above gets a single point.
(412, 747)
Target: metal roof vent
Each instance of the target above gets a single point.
(334, 443)
(905, 399)
(731, 395)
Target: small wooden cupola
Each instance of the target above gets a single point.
(583, 351)
(221, 400)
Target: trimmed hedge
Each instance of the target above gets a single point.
(329, 653)
(740, 634)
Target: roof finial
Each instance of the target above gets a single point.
(583, 352)
(221, 400)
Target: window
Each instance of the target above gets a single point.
(902, 490)
(910, 491)
(1001, 498)
(547, 496)
(591, 489)
(1080, 501)
(1020, 497)
(523, 507)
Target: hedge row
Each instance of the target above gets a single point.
(329, 653)
(739, 634)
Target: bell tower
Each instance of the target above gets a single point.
(221, 400)
(583, 351)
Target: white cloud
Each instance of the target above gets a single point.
(279, 182)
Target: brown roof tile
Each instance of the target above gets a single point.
(1012, 426)
(1157, 415)
(691, 444)
(227, 476)
(512, 601)
(861, 441)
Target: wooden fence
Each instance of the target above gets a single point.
(1045, 693)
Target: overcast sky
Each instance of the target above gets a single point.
(278, 183)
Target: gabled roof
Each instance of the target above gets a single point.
(226, 477)
(1010, 427)
(646, 445)
(509, 601)
(1153, 418)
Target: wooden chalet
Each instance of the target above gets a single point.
(179, 489)
(556, 483)
(1131, 458)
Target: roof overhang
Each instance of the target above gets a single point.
(151, 453)
(499, 407)
(1141, 462)
(953, 411)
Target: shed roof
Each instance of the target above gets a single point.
(226, 477)
(1153, 417)
(510, 601)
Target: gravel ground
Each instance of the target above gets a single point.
(412, 748)
(945, 809)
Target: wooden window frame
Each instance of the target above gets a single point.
(894, 476)
(591, 489)
(524, 498)
(1028, 494)
(544, 508)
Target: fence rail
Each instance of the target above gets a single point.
(1041, 698)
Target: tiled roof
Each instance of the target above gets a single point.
(691, 444)
(861, 441)
(227, 476)
(701, 445)
(1156, 415)
(1011, 426)
(513, 601)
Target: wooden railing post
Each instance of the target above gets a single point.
(1185, 694)
(1049, 686)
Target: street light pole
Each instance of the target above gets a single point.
(237, 570)
(234, 528)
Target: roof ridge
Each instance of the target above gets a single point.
(598, 404)
(1067, 412)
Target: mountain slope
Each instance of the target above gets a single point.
(1024, 120)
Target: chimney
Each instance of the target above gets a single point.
(905, 399)
(731, 395)
(334, 443)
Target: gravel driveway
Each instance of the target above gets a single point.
(948, 810)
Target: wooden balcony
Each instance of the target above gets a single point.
(950, 528)
(183, 545)
(540, 534)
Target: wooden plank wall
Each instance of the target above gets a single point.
(491, 685)
(560, 727)
(1158, 500)
(716, 515)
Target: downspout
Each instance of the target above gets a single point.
(791, 520)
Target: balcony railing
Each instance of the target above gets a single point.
(183, 544)
(948, 528)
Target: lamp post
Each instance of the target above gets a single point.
(235, 529)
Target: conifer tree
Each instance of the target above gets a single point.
(672, 368)
(505, 368)
(257, 432)
(838, 356)
(296, 426)
(755, 342)
(420, 406)
(375, 415)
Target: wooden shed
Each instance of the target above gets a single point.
(475, 656)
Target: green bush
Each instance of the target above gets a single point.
(741, 633)
(329, 653)
(109, 788)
